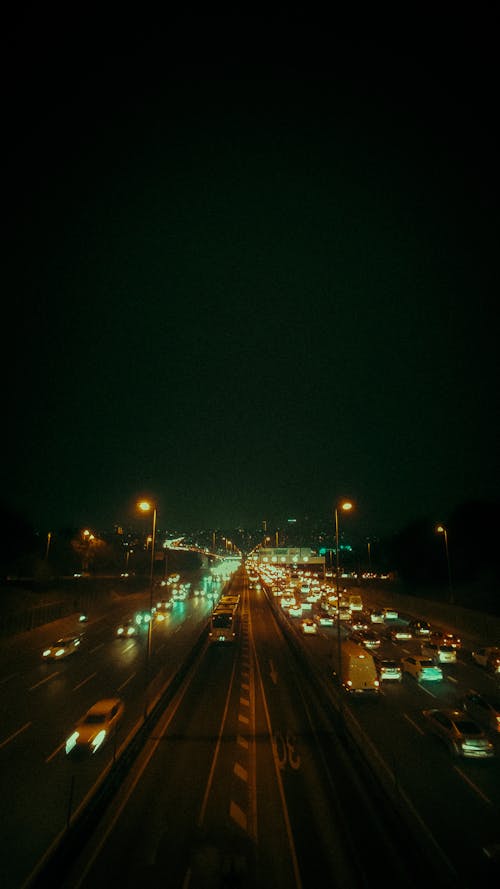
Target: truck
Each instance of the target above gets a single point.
(354, 668)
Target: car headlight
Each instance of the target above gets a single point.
(59, 652)
(71, 742)
(119, 631)
(47, 652)
(98, 740)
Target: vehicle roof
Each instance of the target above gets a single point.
(104, 705)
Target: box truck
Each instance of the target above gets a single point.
(354, 668)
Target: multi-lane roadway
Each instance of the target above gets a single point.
(257, 771)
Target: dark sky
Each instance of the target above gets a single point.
(250, 289)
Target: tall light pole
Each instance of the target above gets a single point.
(146, 506)
(442, 530)
(346, 506)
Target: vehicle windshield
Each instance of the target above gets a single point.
(95, 718)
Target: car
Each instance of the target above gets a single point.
(164, 605)
(309, 627)
(143, 618)
(388, 669)
(62, 648)
(367, 638)
(419, 627)
(400, 634)
(421, 668)
(360, 621)
(483, 708)
(377, 617)
(448, 638)
(439, 651)
(461, 734)
(295, 610)
(488, 657)
(126, 629)
(287, 601)
(96, 727)
(390, 613)
(324, 619)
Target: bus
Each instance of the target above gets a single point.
(224, 623)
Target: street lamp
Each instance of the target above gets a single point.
(146, 506)
(442, 530)
(346, 506)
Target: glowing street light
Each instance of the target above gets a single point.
(146, 506)
(442, 530)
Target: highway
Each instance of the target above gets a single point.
(258, 771)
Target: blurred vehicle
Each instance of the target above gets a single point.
(83, 619)
(355, 602)
(483, 708)
(295, 610)
(344, 613)
(314, 596)
(287, 601)
(377, 617)
(488, 657)
(400, 634)
(164, 605)
(388, 669)
(367, 638)
(309, 627)
(324, 619)
(96, 726)
(360, 621)
(390, 613)
(179, 594)
(419, 627)
(62, 648)
(422, 668)
(439, 651)
(461, 734)
(143, 618)
(126, 629)
(447, 638)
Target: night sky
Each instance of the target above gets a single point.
(249, 290)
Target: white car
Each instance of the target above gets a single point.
(295, 610)
(377, 617)
(439, 652)
(421, 668)
(96, 726)
(324, 619)
(62, 648)
(391, 614)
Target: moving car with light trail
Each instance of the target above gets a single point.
(97, 726)
(62, 648)
(126, 629)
